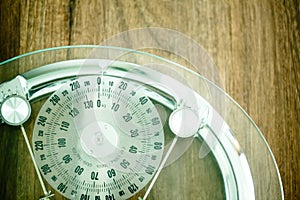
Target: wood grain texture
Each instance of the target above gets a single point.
(255, 44)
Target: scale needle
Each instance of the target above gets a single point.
(163, 162)
(47, 194)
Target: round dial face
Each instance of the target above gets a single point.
(98, 137)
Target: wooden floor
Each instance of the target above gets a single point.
(255, 44)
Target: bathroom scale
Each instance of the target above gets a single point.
(110, 123)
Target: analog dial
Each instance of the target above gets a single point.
(98, 137)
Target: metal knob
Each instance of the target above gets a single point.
(15, 110)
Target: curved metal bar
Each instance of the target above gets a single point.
(233, 163)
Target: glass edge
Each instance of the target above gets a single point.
(258, 131)
(65, 47)
(238, 106)
(171, 62)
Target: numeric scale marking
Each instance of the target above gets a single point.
(100, 141)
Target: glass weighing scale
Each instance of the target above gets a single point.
(114, 123)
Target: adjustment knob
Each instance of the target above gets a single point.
(15, 110)
(184, 122)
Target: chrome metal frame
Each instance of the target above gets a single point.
(233, 163)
